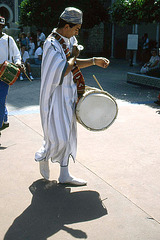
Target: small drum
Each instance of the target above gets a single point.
(9, 73)
(96, 109)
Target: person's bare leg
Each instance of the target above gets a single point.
(28, 66)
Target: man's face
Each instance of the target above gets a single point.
(23, 48)
(74, 31)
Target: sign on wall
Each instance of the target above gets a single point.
(132, 42)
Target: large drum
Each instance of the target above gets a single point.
(96, 109)
(9, 72)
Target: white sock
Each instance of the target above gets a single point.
(65, 177)
(64, 173)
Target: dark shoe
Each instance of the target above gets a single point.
(157, 102)
(5, 125)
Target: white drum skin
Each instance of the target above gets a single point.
(96, 109)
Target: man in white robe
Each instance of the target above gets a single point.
(58, 97)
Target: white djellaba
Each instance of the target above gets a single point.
(58, 120)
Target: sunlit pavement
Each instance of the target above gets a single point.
(121, 165)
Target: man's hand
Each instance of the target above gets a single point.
(75, 52)
(22, 67)
(101, 62)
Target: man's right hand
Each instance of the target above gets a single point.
(22, 67)
(75, 52)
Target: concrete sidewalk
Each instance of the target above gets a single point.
(121, 165)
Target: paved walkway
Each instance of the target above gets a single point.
(121, 165)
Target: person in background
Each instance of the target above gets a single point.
(38, 54)
(40, 37)
(145, 48)
(8, 52)
(24, 59)
(31, 48)
(24, 40)
(18, 42)
(153, 63)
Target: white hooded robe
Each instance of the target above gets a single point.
(58, 96)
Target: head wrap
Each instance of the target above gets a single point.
(2, 20)
(72, 15)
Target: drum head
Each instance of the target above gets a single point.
(97, 111)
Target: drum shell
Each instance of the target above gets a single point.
(9, 73)
(89, 91)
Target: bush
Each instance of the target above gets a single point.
(45, 13)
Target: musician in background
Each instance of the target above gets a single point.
(58, 96)
(8, 51)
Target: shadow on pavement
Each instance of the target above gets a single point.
(158, 111)
(51, 208)
(2, 148)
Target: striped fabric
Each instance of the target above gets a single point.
(58, 96)
(77, 74)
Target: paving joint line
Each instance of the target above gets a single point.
(149, 216)
(27, 125)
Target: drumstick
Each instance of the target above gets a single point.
(25, 73)
(27, 76)
(97, 82)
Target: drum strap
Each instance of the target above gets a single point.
(9, 52)
(77, 74)
(8, 49)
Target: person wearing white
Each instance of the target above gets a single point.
(24, 54)
(58, 96)
(40, 37)
(13, 50)
(8, 52)
(152, 64)
(38, 54)
(31, 48)
(24, 59)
